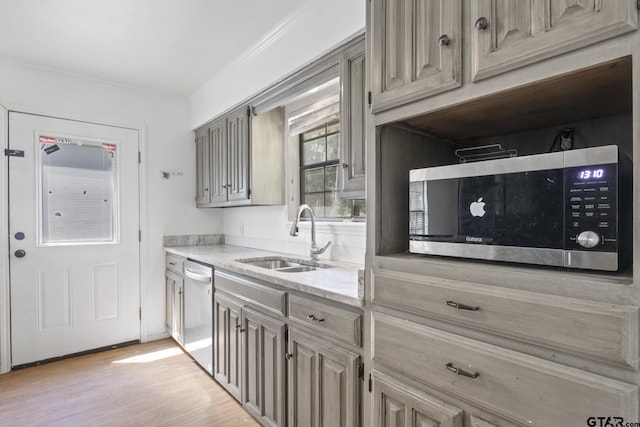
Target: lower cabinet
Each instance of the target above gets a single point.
(263, 379)
(174, 304)
(249, 358)
(396, 404)
(227, 342)
(323, 382)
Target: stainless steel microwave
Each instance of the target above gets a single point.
(566, 209)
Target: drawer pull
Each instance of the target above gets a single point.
(462, 306)
(459, 371)
(314, 318)
(172, 263)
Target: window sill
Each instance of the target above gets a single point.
(342, 228)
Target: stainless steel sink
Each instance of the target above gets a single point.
(284, 265)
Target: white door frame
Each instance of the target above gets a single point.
(5, 326)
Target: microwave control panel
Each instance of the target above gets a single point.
(591, 207)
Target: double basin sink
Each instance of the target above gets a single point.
(284, 265)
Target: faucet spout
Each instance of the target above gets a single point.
(294, 230)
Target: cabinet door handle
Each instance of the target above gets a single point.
(239, 328)
(444, 40)
(288, 356)
(482, 24)
(462, 306)
(314, 318)
(459, 371)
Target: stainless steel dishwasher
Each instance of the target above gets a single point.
(198, 313)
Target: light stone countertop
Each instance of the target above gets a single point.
(343, 282)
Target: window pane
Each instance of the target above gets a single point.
(316, 201)
(333, 147)
(78, 191)
(337, 206)
(314, 151)
(331, 178)
(314, 180)
(360, 208)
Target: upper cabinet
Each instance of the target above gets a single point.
(417, 44)
(240, 159)
(508, 34)
(352, 119)
(416, 49)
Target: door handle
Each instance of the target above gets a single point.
(196, 276)
(20, 253)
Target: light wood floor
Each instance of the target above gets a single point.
(152, 384)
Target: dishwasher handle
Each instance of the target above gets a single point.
(197, 276)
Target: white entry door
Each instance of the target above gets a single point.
(73, 232)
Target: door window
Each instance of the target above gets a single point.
(78, 191)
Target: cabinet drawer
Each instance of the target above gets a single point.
(607, 332)
(524, 388)
(272, 300)
(174, 263)
(342, 324)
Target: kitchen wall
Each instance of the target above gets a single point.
(267, 227)
(305, 35)
(310, 31)
(168, 203)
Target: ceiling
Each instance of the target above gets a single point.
(162, 45)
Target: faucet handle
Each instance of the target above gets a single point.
(321, 250)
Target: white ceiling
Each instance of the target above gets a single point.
(166, 45)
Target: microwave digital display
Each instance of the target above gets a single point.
(591, 174)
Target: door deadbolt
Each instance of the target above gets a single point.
(20, 253)
(19, 235)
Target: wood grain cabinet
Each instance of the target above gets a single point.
(417, 48)
(227, 342)
(263, 382)
(520, 387)
(417, 44)
(352, 122)
(240, 160)
(249, 346)
(397, 404)
(174, 303)
(323, 382)
(510, 34)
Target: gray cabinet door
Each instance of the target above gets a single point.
(323, 383)
(352, 134)
(399, 405)
(237, 182)
(173, 312)
(416, 49)
(263, 387)
(218, 161)
(227, 343)
(203, 151)
(514, 34)
(177, 302)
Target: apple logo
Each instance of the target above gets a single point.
(477, 208)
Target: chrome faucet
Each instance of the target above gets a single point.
(315, 251)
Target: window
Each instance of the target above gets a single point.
(78, 191)
(320, 174)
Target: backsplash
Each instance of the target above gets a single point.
(193, 240)
(267, 228)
